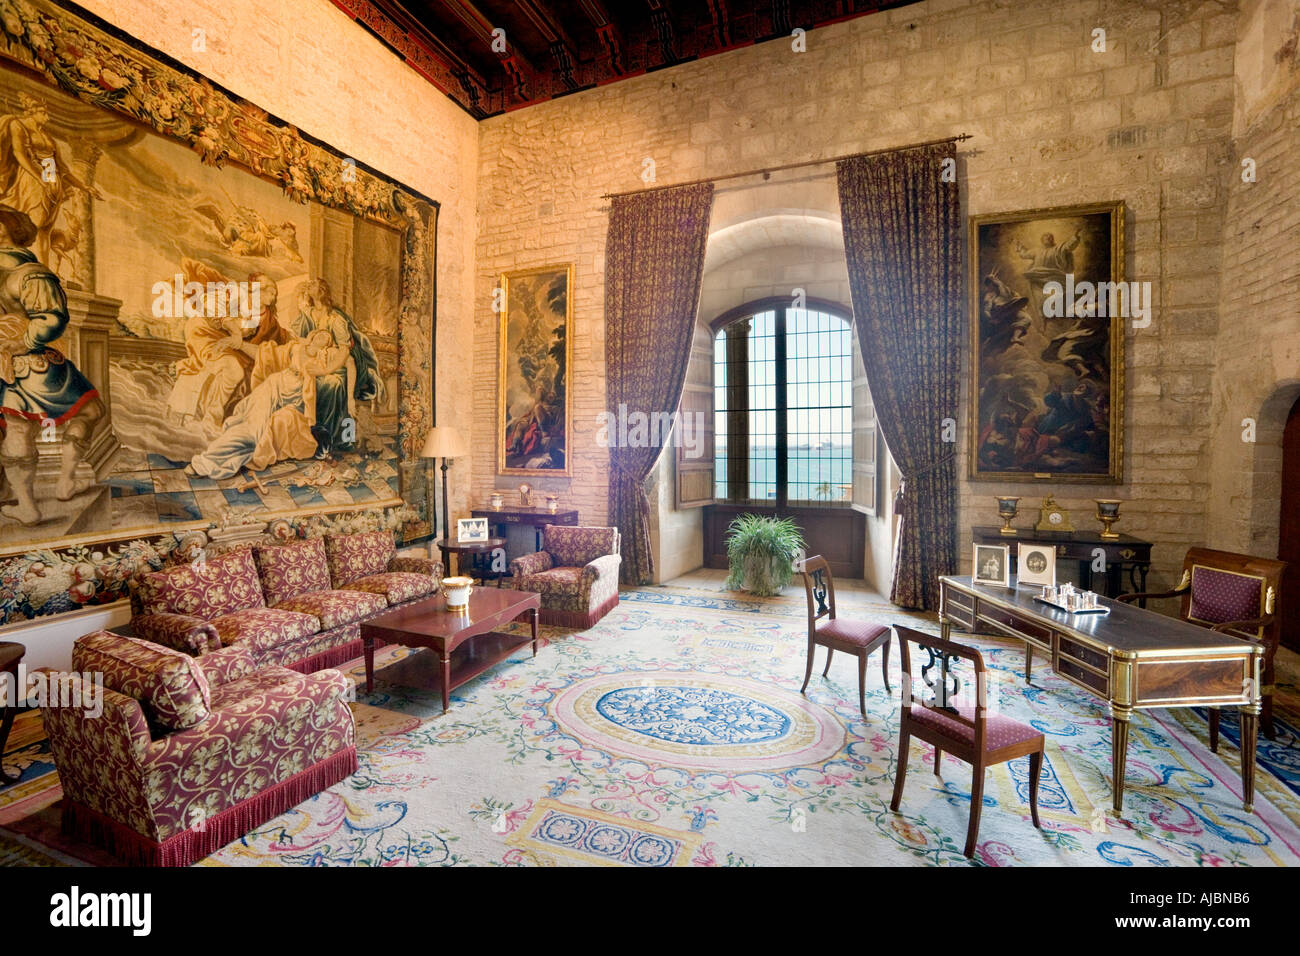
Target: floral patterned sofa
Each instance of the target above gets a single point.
(298, 605)
(189, 754)
(576, 574)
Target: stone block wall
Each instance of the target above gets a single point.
(1056, 122)
(1257, 378)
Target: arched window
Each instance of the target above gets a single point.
(783, 390)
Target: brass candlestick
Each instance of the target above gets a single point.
(1108, 514)
(1008, 508)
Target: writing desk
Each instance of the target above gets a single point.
(1131, 658)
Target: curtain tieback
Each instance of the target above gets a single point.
(929, 466)
(917, 472)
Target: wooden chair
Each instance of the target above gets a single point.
(1234, 594)
(968, 733)
(859, 638)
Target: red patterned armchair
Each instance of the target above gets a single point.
(576, 574)
(1235, 594)
(176, 756)
(299, 605)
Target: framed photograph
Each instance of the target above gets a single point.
(1048, 307)
(992, 565)
(472, 529)
(1036, 564)
(535, 363)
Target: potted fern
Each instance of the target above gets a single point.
(761, 552)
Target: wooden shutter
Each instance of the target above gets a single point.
(694, 483)
(866, 441)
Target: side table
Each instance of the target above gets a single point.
(475, 551)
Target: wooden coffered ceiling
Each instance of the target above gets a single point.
(496, 55)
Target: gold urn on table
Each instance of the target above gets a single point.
(1008, 508)
(1108, 514)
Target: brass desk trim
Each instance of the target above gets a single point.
(1123, 683)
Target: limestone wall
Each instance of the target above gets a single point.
(1257, 379)
(1149, 121)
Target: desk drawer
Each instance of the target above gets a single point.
(1076, 673)
(1016, 624)
(958, 614)
(1081, 652)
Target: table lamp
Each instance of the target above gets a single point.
(443, 442)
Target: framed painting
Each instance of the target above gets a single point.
(535, 365)
(235, 321)
(1048, 303)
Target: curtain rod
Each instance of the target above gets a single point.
(768, 170)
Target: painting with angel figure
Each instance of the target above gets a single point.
(180, 340)
(1048, 306)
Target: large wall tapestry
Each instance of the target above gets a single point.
(1048, 302)
(535, 362)
(205, 316)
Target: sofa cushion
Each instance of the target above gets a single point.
(204, 589)
(558, 579)
(292, 569)
(226, 664)
(396, 586)
(335, 608)
(268, 677)
(353, 556)
(169, 685)
(264, 627)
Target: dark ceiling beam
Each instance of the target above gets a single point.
(661, 18)
(607, 32)
(721, 22)
(781, 24)
(563, 50)
(523, 75)
(424, 51)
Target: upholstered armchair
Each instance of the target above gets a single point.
(176, 756)
(1234, 594)
(576, 574)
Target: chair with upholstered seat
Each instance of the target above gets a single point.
(576, 574)
(1233, 594)
(835, 633)
(967, 732)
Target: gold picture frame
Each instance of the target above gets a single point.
(534, 393)
(1042, 383)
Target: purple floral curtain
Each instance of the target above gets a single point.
(902, 235)
(654, 257)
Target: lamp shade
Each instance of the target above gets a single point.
(443, 441)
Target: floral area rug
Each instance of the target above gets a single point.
(673, 734)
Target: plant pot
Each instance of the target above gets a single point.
(761, 552)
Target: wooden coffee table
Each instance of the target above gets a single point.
(465, 644)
